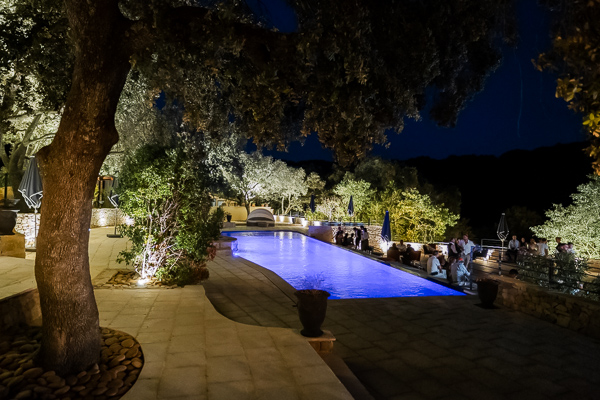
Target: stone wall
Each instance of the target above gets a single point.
(100, 217)
(20, 309)
(12, 245)
(25, 225)
(374, 234)
(570, 312)
(106, 217)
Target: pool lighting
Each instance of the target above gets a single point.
(385, 245)
(142, 281)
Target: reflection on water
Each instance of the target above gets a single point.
(304, 261)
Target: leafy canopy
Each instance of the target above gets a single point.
(578, 222)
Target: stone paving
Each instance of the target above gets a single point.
(191, 351)
(424, 347)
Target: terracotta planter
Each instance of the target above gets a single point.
(312, 307)
(487, 291)
(8, 220)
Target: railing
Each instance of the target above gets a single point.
(551, 272)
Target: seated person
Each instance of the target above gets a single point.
(393, 253)
(402, 248)
(428, 249)
(433, 265)
(460, 273)
(346, 241)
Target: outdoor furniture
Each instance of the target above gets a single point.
(413, 258)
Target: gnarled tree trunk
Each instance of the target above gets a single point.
(70, 166)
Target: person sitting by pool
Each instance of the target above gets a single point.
(339, 236)
(346, 241)
(393, 253)
(402, 248)
(433, 265)
(460, 273)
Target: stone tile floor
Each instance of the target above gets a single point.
(191, 351)
(425, 347)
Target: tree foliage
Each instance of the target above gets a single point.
(361, 194)
(574, 55)
(578, 222)
(35, 67)
(414, 216)
(164, 191)
(351, 71)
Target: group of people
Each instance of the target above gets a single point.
(517, 248)
(358, 239)
(460, 253)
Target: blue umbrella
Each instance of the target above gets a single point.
(351, 207)
(31, 186)
(312, 203)
(386, 231)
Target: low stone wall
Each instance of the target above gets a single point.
(374, 234)
(20, 309)
(100, 217)
(12, 245)
(106, 217)
(26, 226)
(570, 312)
(225, 245)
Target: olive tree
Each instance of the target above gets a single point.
(350, 72)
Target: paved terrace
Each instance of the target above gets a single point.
(424, 347)
(191, 351)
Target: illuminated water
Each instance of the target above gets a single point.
(297, 259)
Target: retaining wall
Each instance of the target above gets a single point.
(100, 217)
(577, 314)
(20, 309)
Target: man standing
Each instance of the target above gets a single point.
(364, 243)
(467, 250)
(513, 249)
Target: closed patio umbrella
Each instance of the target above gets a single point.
(113, 197)
(31, 189)
(502, 233)
(312, 204)
(351, 207)
(386, 230)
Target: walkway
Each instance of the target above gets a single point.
(191, 351)
(426, 347)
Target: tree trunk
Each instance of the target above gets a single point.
(70, 166)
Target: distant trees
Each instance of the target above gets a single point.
(361, 193)
(414, 216)
(578, 222)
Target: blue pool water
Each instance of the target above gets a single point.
(299, 259)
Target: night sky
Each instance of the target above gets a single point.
(516, 110)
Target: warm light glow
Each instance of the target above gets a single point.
(142, 281)
(385, 245)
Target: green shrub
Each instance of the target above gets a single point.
(164, 191)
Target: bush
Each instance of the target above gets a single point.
(164, 192)
(563, 272)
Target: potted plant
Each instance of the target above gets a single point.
(228, 216)
(487, 289)
(8, 216)
(312, 307)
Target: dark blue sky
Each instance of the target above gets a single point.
(516, 110)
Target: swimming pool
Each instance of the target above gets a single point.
(298, 258)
